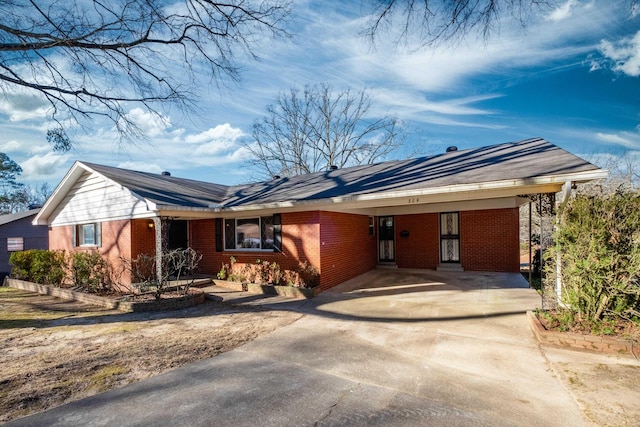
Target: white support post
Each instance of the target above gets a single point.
(157, 223)
(564, 198)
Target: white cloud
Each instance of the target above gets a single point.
(222, 132)
(418, 103)
(222, 140)
(43, 166)
(11, 146)
(20, 106)
(562, 12)
(151, 125)
(624, 53)
(239, 155)
(624, 139)
(141, 166)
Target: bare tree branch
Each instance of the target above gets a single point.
(434, 22)
(320, 129)
(89, 58)
(423, 23)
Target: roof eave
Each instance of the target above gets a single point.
(519, 186)
(58, 195)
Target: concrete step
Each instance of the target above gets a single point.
(456, 267)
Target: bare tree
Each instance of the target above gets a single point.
(90, 58)
(319, 128)
(433, 22)
(624, 174)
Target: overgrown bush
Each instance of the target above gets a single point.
(90, 271)
(598, 238)
(21, 264)
(39, 266)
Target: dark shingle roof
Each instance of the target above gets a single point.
(6, 219)
(165, 190)
(521, 160)
(517, 160)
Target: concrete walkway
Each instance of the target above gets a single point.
(391, 347)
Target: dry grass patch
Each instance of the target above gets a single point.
(58, 351)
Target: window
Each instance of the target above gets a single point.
(15, 244)
(88, 234)
(249, 233)
(372, 226)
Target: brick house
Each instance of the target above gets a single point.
(451, 211)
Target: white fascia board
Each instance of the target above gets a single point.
(395, 199)
(72, 175)
(450, 193)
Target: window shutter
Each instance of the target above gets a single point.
(277, 233)
(218, 234)
(98, 234)
(74, 236)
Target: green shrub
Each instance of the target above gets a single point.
(90, 271)
(598, 239)
(40, 266)
(21, 264)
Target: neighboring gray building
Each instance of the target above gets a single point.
(17, 233)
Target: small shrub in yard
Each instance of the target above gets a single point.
(90, 271)
(263, 272)
(309, 274)
(182, 262)
(21, 264)
(176, 264)
(39, 266)
(276, 273)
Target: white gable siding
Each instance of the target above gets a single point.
(94, 198)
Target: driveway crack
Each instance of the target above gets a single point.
(332, 407)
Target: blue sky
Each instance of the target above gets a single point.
(572, 76)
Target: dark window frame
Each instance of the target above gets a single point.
(269, 241)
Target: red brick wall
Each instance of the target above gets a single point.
(143, 238)
(202, 238)
(300, 242)
(338, 244)
(489, 240)
(421, 249)
(116, 243)
(346, 249)
(61, 238)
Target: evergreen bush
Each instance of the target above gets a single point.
(39, 266)
(598, 238)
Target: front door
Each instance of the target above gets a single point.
(386, 237)
(450, 237)
(178, 234)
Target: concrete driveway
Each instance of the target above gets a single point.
(391, 347)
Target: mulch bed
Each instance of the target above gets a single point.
(625, 329)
